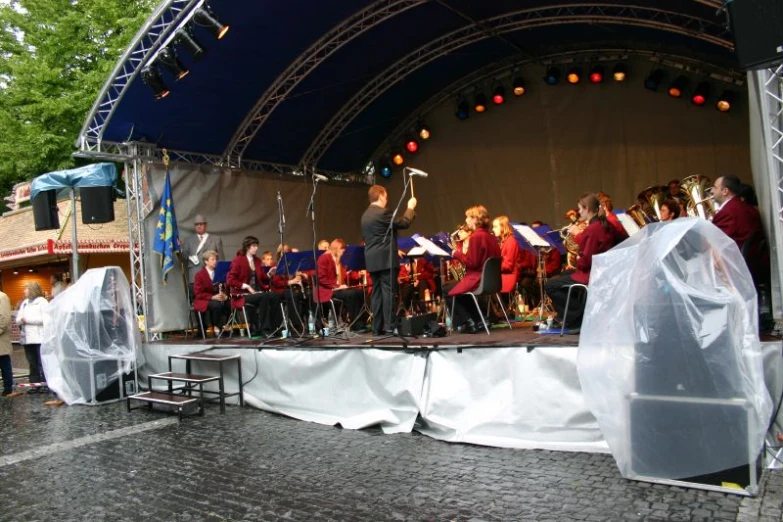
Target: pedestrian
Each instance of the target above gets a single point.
(30, 319)
(6, 348)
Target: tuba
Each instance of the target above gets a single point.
(696, 193)
(650, 200)
(569, 240)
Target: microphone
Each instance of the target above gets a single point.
(320, 177)
(416, 172)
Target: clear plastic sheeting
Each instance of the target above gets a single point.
(90, 337)
(669, 357)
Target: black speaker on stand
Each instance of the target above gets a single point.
(97, 204)
(45, 212)
(758, 32)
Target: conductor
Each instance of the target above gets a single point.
(380, 255)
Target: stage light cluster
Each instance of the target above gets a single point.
(410, 145)
(679, 87)
(185, 40)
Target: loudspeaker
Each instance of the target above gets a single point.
(415, 325)
(45, 213)
(97, 204)
(758, 32)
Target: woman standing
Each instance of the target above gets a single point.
(30, 319)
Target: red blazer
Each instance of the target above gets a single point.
(738, 220)
(595, 239)
(203, 290)
(509, 266)
(426, 273)
(482, 246)
(526, 262)
(327, 277)
(620, 234)
(553, 261)
(239, 273)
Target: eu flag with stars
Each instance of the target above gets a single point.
(166, 234)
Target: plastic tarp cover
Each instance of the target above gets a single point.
(95, 175)
(669, 357)
(91, 336)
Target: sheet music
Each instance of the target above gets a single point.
(531, 237)
(628, 224)
(430, 247)
(416, 251)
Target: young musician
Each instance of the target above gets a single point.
(598, 237)
(472, 254)
(509, 253)
(209, 296)
(379, 254)
(249, 284)
(332, 279)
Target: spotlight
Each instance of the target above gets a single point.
(168, 59)
(552, 76)
(499, 96)
(597, 74)
(151, 76)
(385, 170)
(16, 271)
(185, 39)
(726, 101)
(574, 75)
(397, 159)
(30, 270)
(423, 131)
(480, 102)
(412, 145)
(654, 79)
(701, 94)
(678, 87)
(463, 110)
(519, 86)
(206, 19)
(619, 72)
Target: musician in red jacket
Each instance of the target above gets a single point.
(250, 284)
(472, 253)
(598, 237)
(509, 252)
(332, 279)
(742, 223)
(210, 297)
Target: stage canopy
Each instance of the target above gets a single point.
(324, 84)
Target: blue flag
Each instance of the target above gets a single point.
(166, 234)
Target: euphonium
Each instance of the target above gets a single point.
(456, 269)
(650, 200)
(569, 239)
(696, 192)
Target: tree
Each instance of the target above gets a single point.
(55, 56)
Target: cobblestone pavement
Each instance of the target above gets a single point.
(102, 463)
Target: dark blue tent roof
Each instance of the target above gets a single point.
(207, 108)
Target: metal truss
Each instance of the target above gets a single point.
(507, 66)
(167, 18)
(668, 21)
(771, 81)
(139, 206)
(308, 61)
(121, 152)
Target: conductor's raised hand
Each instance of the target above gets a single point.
(412, 203)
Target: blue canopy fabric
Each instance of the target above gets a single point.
(95, 175)
(206, 107)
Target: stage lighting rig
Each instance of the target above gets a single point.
(398, 159)
(423, 131)
(186, 39)
(596, 74)
(678, 87)
(552, 76)
(168, 59)
(726, 101)
(206, 19)
(499, 95)
(385, 170)
(701, 94)
(411, 145)
(620, 72)
(463, 110)
(480, 103)
(654, 79)
(519, 86)
(151, 76)
(574, 75)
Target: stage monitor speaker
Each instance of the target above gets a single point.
(45, 213)
(97, 204)
(758, 32)
(415, 325)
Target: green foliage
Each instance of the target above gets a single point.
(55, 56)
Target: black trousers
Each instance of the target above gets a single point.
(217, 313)
(268, 315)
(296, 306)
(33, 354)
(462, 307)
(557, 290)
(384, 303)
(7, 372)
(352, 299)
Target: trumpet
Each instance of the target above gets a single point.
(454, 236)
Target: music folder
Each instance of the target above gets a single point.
(298, 262)
(221, 271)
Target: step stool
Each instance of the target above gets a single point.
(169, 399)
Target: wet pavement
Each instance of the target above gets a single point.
(102, 463)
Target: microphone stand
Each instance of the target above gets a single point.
(311, 303)
(392, 276)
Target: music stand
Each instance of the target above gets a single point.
(353, 260)
(540, 246)
(439, 252)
